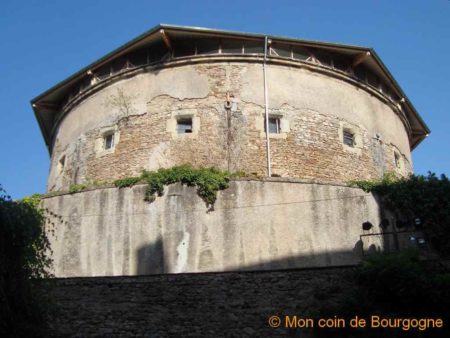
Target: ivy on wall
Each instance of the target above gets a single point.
(422, 200)
(208, 181)
(24, 249)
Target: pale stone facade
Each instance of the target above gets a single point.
(314, 109)
(182, 95)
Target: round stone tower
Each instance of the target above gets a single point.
(179, 95)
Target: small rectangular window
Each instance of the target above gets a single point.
(184, 125)
(397, 160)
(61, 164)
(274, 125)
(108, 141)
(349, 138)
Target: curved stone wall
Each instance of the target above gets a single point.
(256, 225)
(313, 109)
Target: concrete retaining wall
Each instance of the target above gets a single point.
(256, 225)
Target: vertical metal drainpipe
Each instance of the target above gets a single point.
(266, 108)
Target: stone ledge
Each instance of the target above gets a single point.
(237, 179)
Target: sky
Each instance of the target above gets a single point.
(43, 42)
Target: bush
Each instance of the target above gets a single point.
(424, 197)
(389, 285)
(23, 248)
(400, 283)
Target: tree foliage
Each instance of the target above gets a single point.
(419, 197)
(391, 286)
(23, 256)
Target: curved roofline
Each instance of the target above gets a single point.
(192, 29)
(412, 113)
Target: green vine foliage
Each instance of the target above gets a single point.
(398, 285)
(418, 196)
(127, 182)
(74, 188)
(23, 257)
(208, 181)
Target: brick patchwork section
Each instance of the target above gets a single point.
(230, 140)
(234, 304)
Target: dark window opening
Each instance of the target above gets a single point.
(119, 64)
(207, 46)
(340, 64)
(85, 83)
(157, 51)
(360, 73)
(254, 47)
(394, 97)
(184, 48)
(323, 57)
(138, 58)
(61, 164)
(300, 53)
(397, 160)
(103, 72)
(184, 125)
(349, 138)
(108, 141)
(367, 226)
(372, 79)
(282, 50)
(232, 46)
(274, 125)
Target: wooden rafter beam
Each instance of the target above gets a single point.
(360, 58)
(166, 39)
(45, 105)
(416, 132)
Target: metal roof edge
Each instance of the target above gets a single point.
(399, 88)
(42, 129)
(156, 28)
(103, 58)
(260, 35)
(192, 29)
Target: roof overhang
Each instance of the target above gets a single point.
(47, 106)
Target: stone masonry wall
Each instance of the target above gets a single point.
(235, 304)
(314, 110)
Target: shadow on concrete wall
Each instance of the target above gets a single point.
(150, 259)
(154, 258)
(231, 304)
